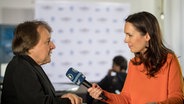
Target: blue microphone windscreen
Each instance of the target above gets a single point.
(75, 76)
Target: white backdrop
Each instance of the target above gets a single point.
(87, 36)
(174, 27)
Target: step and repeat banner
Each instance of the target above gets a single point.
(87, 36)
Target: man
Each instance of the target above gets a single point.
(25, 82)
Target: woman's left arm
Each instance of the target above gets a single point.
(175, 83)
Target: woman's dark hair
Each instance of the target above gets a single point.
(26, 36)
(120, 61)
(156, 54)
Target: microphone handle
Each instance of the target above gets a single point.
(103, 96)
(88, 85)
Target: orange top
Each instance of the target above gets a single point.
(165, 88)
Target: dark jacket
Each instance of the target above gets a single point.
(25, 82)
(113, 83)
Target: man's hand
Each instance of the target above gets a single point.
(73, 98)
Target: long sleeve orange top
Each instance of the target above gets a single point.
(165, 88)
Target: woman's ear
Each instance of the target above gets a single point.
(147, 37)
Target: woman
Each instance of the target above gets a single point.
(154, 74)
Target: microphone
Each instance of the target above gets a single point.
(78, 78)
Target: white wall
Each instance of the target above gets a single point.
(15, 11)
(173, 27)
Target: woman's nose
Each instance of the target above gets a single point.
(126, 39)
